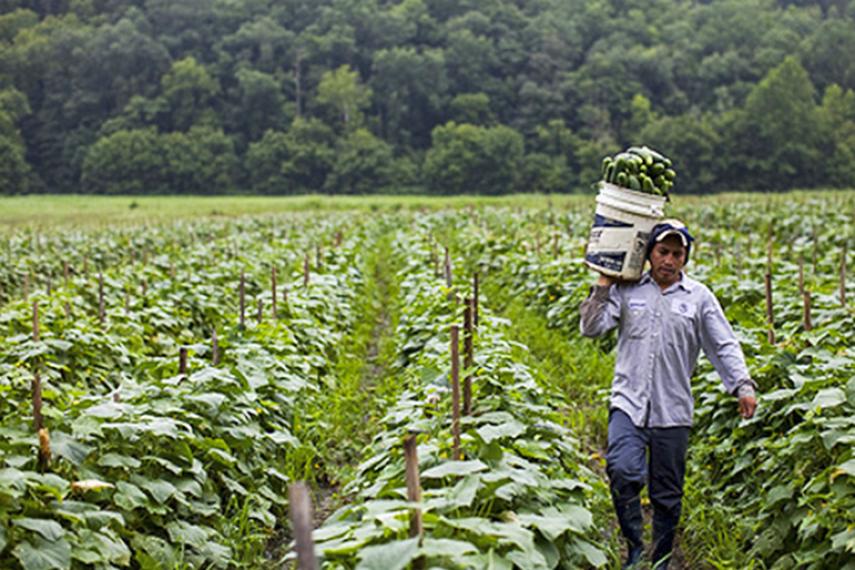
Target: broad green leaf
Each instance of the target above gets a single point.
(457, 468)
(41, 554)
(117, 460)
(390, 556)
(595, 556)
(129, 497)
(181, 532)
(847, 468)
(49, 529)
(437, 547)
(63, 445)
(828, 398)
(160, 490)
(510, 429)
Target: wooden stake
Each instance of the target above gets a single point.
(468, 356)
(101, 310)
(36, 333)
(306, 271)
(182, 361)
(455, 392)
(801, 274)
(806, 320)
(242, 294)
(273, 292)
(447, 267)
(215, 349)
(26, 286)
(44, 449)
(843, 275)
(37, 401)
(319, 260)
(414, 489)
(555, 250)
(475, 303)
(770, 317)
(300, 508)
(260, 315)
(815, 255)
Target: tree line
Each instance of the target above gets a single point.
(436, 96)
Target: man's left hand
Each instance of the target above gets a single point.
(747, 405)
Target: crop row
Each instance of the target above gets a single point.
(164, 447)
(516, 496)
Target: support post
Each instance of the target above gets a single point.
(455, 392)
(770, 316)
(468, 356)
(300, 508)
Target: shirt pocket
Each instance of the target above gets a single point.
(637, 318)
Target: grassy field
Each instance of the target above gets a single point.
(48, 211)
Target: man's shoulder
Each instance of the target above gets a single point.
(698, 289)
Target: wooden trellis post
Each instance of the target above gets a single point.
(101, 309)
(770, 317)
(843, 275)
(242, 294)
(273, 292)
(815, 255)
(215, 349)
(37, 382)
(468, 356)
(414, 492)
(455, 392)
(475, 302)
(801, 274)
(806, 318)
(306, 270)
(182, 361)
(300, 508)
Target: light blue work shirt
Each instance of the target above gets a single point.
(660, 336)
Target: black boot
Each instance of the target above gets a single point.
(664, 529)
(629, 517)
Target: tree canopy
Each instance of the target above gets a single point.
(439, 96)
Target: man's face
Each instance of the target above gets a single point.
(667, 259)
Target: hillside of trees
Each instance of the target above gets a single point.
(434, 96)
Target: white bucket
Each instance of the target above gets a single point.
(622, 224)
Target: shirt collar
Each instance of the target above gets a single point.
(684, 282)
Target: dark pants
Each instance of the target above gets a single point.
(653, 455)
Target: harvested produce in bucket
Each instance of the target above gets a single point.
(641, 169)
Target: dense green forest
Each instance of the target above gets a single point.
(437, 96)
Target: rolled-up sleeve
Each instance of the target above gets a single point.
(600, 312)
(721, 346)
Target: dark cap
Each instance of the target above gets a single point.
(670, 228)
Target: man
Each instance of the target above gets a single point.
(664, 320)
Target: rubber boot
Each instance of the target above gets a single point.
(629, 517)
(664, 529)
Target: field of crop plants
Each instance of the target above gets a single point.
(163, 382)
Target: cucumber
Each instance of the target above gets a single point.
(634, 184)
